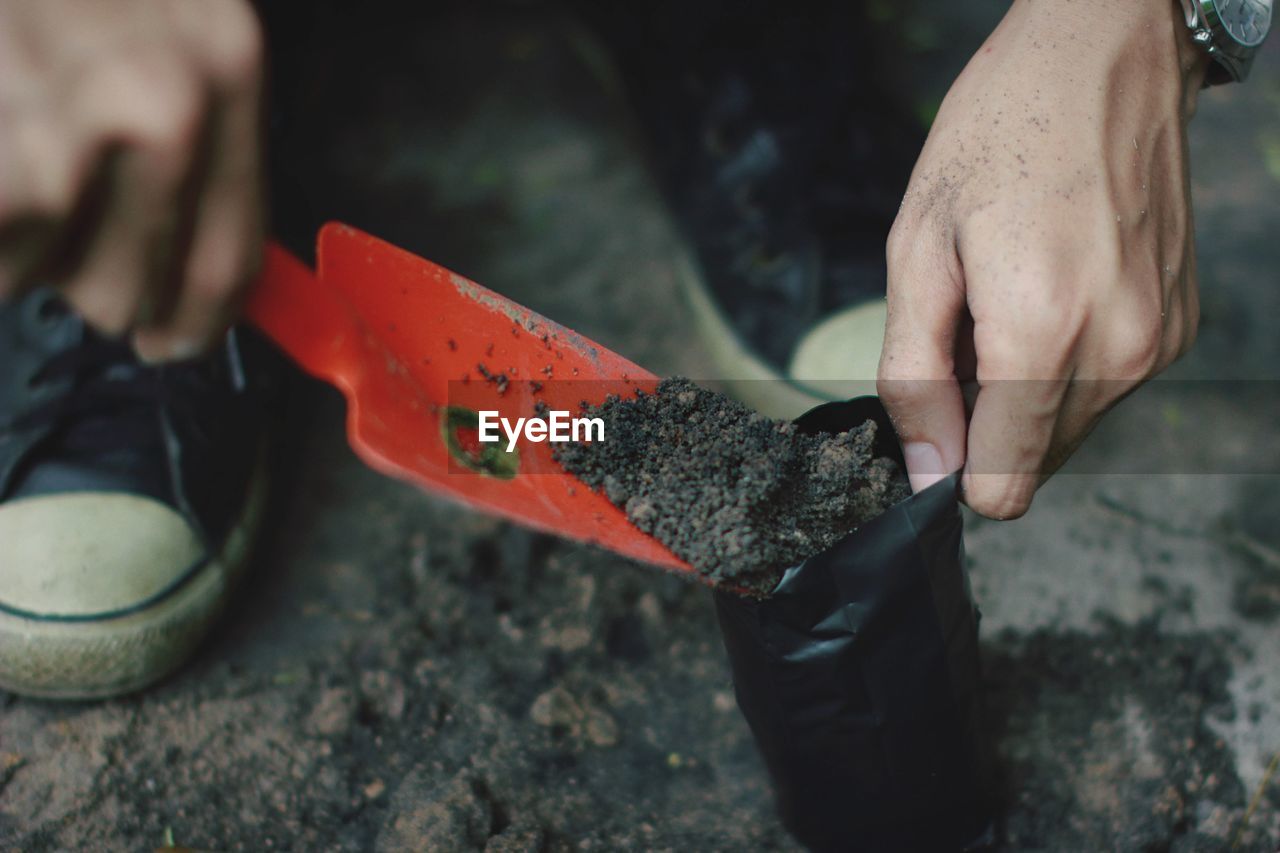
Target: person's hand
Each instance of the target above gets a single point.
(1044, 247)
(130, 162)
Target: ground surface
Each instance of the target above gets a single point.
(403, 674)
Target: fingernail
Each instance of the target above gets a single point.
(151, 354)
(924, 464)
(146, 354)
(183, 350)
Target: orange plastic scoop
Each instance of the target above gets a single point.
(419, 351)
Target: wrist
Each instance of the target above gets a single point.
(1193, 59)
(1147, 37)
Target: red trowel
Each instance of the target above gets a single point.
(420, 351)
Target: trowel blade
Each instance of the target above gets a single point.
(418, 351)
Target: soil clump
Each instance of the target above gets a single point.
(738, 495)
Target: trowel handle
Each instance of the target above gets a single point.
(312, 324)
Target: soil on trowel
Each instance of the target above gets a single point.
(739, 496)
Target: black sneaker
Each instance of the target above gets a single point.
(785, 164)
(128, 498)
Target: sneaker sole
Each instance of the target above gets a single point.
(98, 659)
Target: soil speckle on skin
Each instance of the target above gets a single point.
(740, 496)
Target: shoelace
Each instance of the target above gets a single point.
(102, 380)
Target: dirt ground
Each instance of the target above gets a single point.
(401, 674)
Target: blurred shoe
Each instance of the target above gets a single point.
(785, 165)
(128, 498)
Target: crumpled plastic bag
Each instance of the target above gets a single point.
(860, 676)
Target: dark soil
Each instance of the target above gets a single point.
(739, 496)
(1104, 741)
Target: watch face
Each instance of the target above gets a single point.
(1247, 21)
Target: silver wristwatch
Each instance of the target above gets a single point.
(1231, 31)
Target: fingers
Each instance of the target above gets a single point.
(133, 215)
(1011, 434)
(1083, 405)
(1026, 334)
(39, 175)
(130, 163)
(1117, 369)
(917, 379)
(226, 236)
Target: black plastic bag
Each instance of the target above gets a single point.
(860, 676)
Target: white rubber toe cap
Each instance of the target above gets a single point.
(82, 555)
(836, 360)
(105, 593)
(839, 357)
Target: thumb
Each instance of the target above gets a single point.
(917, 380)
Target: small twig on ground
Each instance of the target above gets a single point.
(1259, 550)
(1257, 798)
